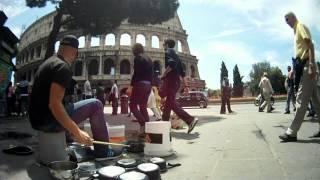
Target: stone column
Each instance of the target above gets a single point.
(87, 41)
(100, 65)
(117, 39)
(133, 38)
(102, 40)
(148, 41)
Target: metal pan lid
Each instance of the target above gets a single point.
(133, 175)
(111, 171)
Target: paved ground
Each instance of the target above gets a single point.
(243, 145)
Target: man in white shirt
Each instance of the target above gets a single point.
(87, 89)
(267, 90)
(114, 98)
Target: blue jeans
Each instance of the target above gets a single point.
(79, 112)
(92, 109)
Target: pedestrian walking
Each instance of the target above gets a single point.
(290, 91)
(114, 95)
(225, 96)
(267, 91)
(172, 77)
(140, 86)
(306, 70)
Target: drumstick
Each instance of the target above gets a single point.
(108, 143)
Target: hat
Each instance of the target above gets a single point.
(70, 40)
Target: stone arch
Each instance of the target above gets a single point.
(93, 67)
(193, 71)
(78, 68)
(125, 39)
(82, 41)
(140, 38)
(155, 42)
(108, 65)
(110, 39)
(184, 67)
(125, 67)
(179, 46)
(95, 41)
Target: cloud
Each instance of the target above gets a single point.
(230, 32)
(13, 8)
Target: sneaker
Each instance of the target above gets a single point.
(260, 110)
(288, 138)
(192, 125)
(286, 112)
(315, 135)
(111, 154)
(311, 114)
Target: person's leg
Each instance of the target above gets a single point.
(229, 106)
(92, 109)
(223, 106)
(267, 98)
(288, 101)
(139, 96)
(305, 91)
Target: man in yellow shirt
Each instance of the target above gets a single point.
(305, 62)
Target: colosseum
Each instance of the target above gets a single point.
(108, 57)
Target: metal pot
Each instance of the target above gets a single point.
(127, 163)
(160, 162)
(151, 170)
(64, 170)
(133, 175)
(110, 172)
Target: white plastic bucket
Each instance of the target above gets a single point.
(158, 139)
(116, 133)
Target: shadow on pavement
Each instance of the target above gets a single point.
(185, 135)
(38, 172)
(209, 119)
(313, 141)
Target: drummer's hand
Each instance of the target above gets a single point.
(83, 138)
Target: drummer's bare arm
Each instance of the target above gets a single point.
(55, 105)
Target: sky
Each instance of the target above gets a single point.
(236, 32)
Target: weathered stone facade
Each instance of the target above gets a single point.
(108, 56)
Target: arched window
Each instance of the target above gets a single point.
(184, 67)
(141, 39)
(154, 42)
(78, 68)
(82, 41)
(193, 71)
(125, 67)
(93, 67)
(110, 40)
(56, 47)
(157, 66)
(95, 41)
(108, 65)
(125, 40)
(179, 46)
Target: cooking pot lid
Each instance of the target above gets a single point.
(133, 175)
(148, 167)
(126, 162)
(156, 160)
(111, 171)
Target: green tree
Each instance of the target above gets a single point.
(277, 80)
(223, 72)
(97, 16)
(237, 83)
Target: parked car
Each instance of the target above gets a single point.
(193, 98)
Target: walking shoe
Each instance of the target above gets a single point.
(192, 125)
(287, 138)
(315, 135)
(142, 132)
(310, 114)
(287, 112)
(260, 110)
(111, 154)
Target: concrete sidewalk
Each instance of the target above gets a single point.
(241, 146)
